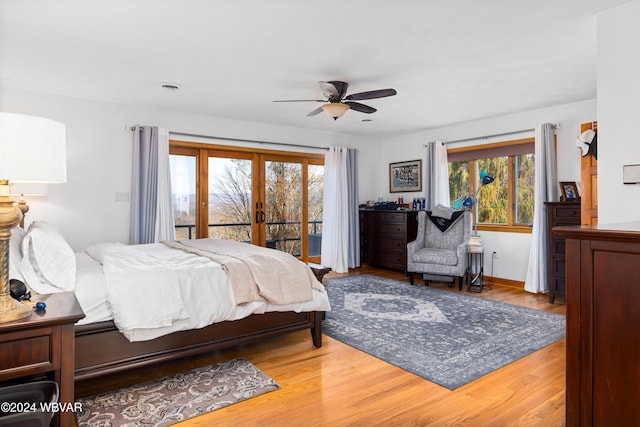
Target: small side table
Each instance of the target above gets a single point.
(44, 343)
(319, 270)
(475, 269)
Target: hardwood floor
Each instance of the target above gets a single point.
(337, 385)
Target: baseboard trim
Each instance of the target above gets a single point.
(505, 282)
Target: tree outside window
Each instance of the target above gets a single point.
(508, 203)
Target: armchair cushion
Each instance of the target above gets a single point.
(436, 256)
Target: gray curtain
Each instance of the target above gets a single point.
(546, 190)
(354, 215)
(151, 212)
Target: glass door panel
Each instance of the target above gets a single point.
(183, 195)
(283, 206)
(230, 195)
(315, 197)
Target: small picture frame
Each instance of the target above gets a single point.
(569, 191)
(405, 176)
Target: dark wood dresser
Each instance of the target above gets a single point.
(603, 324)
(384, 236)
(558, 214)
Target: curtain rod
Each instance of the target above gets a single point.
(555, 126)
(195, 135)
(247, 140)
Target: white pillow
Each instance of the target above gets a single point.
(48, 262)
(98, 250)
(15, 253)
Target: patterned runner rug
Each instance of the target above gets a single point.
(173, 399)
(445, 337)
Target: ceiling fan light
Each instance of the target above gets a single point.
(335, 109)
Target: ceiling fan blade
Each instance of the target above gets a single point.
(341, 87)
(334, 89)
(380, 93)
(300, 100)
(315, 112)
(360, 107)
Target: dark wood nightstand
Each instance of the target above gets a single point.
(44, 344)
(319, 270)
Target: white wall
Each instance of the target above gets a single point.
(99, 156)
(512, 248)
(99, 161)
(618, 112)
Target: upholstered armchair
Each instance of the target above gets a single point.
(440, 255)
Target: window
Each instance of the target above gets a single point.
(269, 198)
(507, 203)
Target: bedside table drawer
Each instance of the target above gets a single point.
(28, 352)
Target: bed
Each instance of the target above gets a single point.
(150, 303)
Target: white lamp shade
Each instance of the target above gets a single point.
(28, 189)
(32, 149)
(335, 109)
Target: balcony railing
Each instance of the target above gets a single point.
(314, 240)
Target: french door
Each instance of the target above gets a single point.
(268, 198)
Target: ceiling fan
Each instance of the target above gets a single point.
(336, 103)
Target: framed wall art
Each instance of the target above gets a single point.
(569, 191)
(405, 176)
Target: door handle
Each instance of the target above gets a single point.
(262, 216)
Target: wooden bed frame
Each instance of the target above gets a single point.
(102, 350)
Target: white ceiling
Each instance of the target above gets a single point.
(450, 60)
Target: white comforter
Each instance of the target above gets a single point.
(154, 290)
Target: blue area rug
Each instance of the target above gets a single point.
(446, 337)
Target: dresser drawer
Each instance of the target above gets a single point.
(28, 352)
(390, 259)
(559, 268)
(558, 247)
(557, 286)
(393, 218)
(389, 230)
(566, 215)
(383, 244)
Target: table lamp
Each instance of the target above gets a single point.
(32, 150)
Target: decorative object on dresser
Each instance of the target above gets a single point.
(32, 150)
(384, 236)
(405, 176)
(558, 214)
(44, 344)
(569, 191)
(603, 324)
(440, 253)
